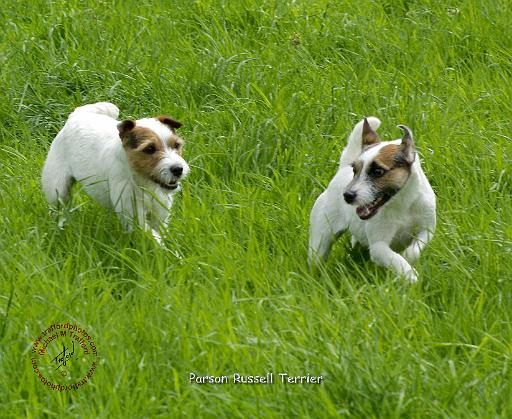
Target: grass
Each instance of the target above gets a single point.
(268, 92)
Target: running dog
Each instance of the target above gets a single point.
(132, 167)
(381, 196)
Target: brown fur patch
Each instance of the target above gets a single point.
(139, 144)
(171, 123)
(144, 149)
(137, 135)
(176, 143)
(357, 166)
(369, 135)
(125, 126)
(392, 159)
(390, 156)
(393, 180)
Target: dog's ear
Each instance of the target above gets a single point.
(369, 135)
(171, 123)
(407, 145)
(125, 126)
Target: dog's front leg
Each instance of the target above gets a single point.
(147, 221)
(383, 255)
(154, 226)
(131, 211)
(413, 251)
(126, 221)
(159, 217)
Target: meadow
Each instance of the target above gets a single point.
(267, 92)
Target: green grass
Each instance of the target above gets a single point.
(268, 92)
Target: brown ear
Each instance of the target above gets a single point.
(169, 122)
(125, 126)
(369, 135)
(407, 145)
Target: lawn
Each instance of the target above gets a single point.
(267, 92)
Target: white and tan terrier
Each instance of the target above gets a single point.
(132, 167)
(381, 196)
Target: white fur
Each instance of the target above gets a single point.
(89, 150)
(407, 221)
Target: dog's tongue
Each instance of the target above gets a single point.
(364, 211)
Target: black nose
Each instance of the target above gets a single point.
(349, 196)
(176, 170)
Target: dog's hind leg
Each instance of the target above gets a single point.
(56, 179)
(320, 244)
(325, 228)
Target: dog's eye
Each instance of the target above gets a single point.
(377, 172)
(176, 145)
(149, 150)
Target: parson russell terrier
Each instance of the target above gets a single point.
(132, 167)
(381, 196)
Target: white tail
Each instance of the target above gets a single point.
(101, 108)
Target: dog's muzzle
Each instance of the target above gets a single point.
(176, 175)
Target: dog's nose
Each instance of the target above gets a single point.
(176, 170)
(349, 196)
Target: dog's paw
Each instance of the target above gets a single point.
(411, 276)
(157, 237)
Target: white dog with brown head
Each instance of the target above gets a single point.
(133, 167)
(381, 196)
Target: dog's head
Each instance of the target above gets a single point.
(380, 171)
(154, 150)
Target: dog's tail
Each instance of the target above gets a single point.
(101, 108)
(355, 141)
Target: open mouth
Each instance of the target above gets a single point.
(369, 210)
(171, 185)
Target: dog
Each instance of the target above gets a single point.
(132, 167)
(381, 196)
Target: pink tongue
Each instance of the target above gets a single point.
(363, 211)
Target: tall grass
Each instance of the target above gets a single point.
(268, 92)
